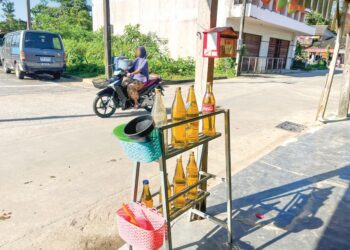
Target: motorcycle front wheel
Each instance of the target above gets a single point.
(104, 106)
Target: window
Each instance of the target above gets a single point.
(41, 40)
(8, 41)
(15, 41)
(56, 43)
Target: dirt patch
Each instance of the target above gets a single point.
(101, 243)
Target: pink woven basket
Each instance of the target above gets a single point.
(139, 237)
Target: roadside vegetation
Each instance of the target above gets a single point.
(84, 47)
(301, 60)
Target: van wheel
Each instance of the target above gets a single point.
(19, 74)
(6, 69)
(56, 75)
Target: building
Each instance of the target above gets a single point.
(321, 45)
(269, 36)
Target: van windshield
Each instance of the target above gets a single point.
(42, 40)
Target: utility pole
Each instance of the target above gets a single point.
(29, 22)
(240, 39)
(207, 15)
(107, 39)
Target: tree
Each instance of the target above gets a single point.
(315, 18)
(71, 18)
(10, 23)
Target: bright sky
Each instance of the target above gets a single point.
(20, 7)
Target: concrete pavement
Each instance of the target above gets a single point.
(63, 175)
(300, 192)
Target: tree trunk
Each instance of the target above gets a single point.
(327, 88)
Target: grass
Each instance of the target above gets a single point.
(172, 78)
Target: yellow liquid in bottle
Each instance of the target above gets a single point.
(146, 197)
(179, 184)
(192, 177)
(178, 113)
(181, 200)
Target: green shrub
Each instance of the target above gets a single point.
(298, 64)
(301, 64)
(225, 67)
(85, 56)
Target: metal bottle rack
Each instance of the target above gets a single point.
(197, 207)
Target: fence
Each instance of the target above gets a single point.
(262, 64)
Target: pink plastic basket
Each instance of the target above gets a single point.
(137, 237)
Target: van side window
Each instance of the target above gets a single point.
(15, 41)
(8, 41)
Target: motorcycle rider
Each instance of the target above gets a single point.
(137, 76)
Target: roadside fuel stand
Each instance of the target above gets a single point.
(196, 207)
(218, 42)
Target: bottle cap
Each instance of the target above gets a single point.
(145, 182)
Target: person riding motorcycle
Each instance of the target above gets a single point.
(137, 76)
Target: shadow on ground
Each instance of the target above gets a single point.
(296, 73)
(301, 201)
(53, 117)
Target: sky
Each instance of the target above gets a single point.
(20, 7)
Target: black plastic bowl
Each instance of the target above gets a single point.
(138, 129)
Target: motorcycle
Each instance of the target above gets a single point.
(114, 95)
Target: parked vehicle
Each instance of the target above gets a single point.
(1, 47)
(114, 95)
(29, 51)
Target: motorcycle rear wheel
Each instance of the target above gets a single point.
(102, 105)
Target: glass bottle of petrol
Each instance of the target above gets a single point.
(159, 114)
(169, 195)
(191, 112)
(178, 113)
(192, 177)
(208, 107)
(146, 197)
(179, 184)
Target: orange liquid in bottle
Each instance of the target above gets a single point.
(192, 128)
(207, 108)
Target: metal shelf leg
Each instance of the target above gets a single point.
(135, 184)
(228, 177)
(135, 181)
(165, 203)
(202, 166)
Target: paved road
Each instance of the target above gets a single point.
(58, 162)
(63, 174)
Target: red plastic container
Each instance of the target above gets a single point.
(149, 233)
